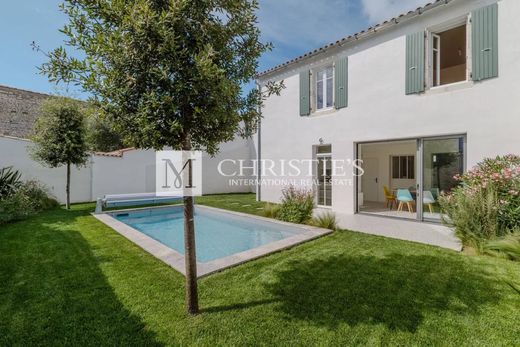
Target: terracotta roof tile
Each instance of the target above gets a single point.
(119, 153)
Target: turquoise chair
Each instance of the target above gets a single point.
(404, 196)
(428, 199)
(435, 192)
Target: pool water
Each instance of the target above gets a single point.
(217, 234)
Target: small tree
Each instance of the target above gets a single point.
(101, 136)
(169, 73)
(60, 136)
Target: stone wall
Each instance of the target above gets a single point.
(18, 111)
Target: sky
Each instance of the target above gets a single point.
(293, 26)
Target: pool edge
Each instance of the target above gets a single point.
(176, 260)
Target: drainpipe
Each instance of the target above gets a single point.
(259, 151)
(91, 160)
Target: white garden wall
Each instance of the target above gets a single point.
(15, 152)
(132, 172)
(212, 181)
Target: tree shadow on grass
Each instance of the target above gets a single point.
(397, 291)
(54, 293)
(236, 306)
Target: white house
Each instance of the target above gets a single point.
(418, 98)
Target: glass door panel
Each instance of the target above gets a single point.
(442, 160)
(324, 181)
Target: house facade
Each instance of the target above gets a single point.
(410, 103)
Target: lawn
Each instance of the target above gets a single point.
(67, 279)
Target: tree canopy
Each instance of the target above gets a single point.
(165, 69)
(60, 133)
(101, 136)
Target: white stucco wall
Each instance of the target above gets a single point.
(15, 152)
(487, 111)
(212, 181)
(133, 172)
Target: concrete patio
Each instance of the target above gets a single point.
(409, 230)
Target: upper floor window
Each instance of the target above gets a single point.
(324, 88)
(448, 56)
(461, 49)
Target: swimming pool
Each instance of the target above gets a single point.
(223, 238)
(217, 234)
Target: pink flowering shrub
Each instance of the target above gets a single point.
(487, 202)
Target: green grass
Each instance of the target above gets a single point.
(245, 203)
(67, 279)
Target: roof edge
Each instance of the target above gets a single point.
(364, 34)
(3, 86)
(10, 137)
(117, 153)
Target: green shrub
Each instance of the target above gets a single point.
(39, 196)
(9, 181)
(486, 205)
(325, 220)
(296, 206)
(507, 246)
(503, 173)
(29, 199)
(271, 210)
(474, 216)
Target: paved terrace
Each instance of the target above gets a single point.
(409, 230)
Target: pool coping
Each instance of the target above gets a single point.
(176, 259)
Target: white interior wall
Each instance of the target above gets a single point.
(382, 153)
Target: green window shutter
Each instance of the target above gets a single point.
(341, 83)
(415, 63)
(484, 40)
(305, 93)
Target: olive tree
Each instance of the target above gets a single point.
(168, 73)
(60, 136)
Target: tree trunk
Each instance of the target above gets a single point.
(192, 301)
(68, 187)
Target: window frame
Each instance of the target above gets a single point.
(325, 79)
(436, 61)
(320, 155)
(407, 171)
(436, 30)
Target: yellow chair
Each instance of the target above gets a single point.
(390, 198)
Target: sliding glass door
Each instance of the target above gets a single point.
(404, 178)
(442, 160)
